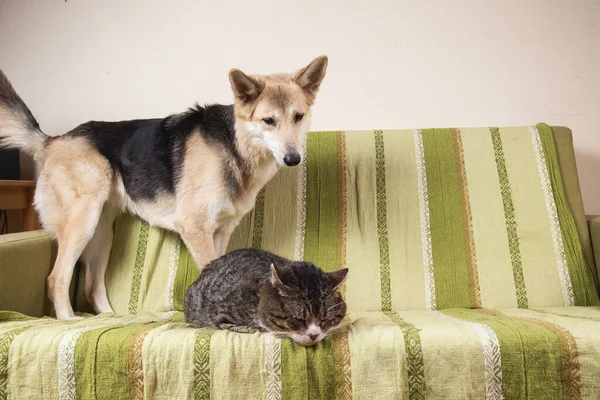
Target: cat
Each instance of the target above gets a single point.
(252, 290)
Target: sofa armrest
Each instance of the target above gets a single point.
(26, 259)
(594, 227)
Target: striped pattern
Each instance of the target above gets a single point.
(259, 216)
(201, 365)
(449, 220)
(563, 270)
(342, 205)
(430, 303)
(66, 364)
(300, 211)
(135, 370)
(583, 293)
(570, 371)
(571, 374)
(456, 353)
(138, 267)
(482, 211)
(492, 362)
(511, 224)
(492, 358)
(382, 233)
(414, 357)
(343, 366)
(5, 341)
(474, 288)
(173, 264)
(273, 367)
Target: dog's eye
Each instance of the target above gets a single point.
(269, 121)
(298, 117)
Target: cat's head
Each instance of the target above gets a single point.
(301, 301)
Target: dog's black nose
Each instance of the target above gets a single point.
(313, 336)
(291, 159)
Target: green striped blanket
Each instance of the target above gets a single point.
(467, 280)
(551, 353)
(425, 219)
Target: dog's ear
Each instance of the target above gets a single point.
(310, 77)
(245, 88)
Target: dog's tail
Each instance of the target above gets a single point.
(18, 127)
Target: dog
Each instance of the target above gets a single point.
(196, 173)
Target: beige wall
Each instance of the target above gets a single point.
(393, 64)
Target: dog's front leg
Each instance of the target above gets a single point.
(200, 243)
(221, 238)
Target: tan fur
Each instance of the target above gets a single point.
(18, 128)
(78, 195)
(11, 123)
(71, 193)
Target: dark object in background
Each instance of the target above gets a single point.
(10, 169)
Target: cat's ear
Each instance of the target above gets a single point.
(336, 278)
(277, 276)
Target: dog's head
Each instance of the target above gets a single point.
(273, 111)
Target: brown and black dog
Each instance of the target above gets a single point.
(196, 173)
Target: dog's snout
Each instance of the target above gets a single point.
(291, 159)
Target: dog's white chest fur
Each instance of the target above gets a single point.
(225, 210)
(204, 195)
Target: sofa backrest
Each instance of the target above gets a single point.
(423, 219)
(563, 138)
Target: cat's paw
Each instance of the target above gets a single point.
(239, 329)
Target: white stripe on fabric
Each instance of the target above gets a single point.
(557, 240)
(492, 358)
(66, 357)
(173, 265)
(430, 301)
(301, 209)
(66, 363)
(273, 367)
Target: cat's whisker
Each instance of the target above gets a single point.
(335, 305)
(342, 325)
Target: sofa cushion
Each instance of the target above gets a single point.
(424, 219)
(455, 353)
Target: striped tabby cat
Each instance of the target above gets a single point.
(252, 290)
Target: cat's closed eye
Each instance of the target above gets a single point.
(329, 323)
(297, 323)
(280, 324)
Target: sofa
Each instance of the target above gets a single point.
(471, 275)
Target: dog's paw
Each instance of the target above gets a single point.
(104, 310)
(71, 318)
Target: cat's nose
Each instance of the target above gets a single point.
(313, 336)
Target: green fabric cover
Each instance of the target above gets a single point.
(25, 261)
(594, 226)
(424, 219)
(549, 353)
(431, 223)
(563, 138)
